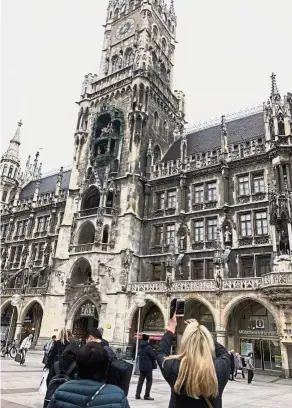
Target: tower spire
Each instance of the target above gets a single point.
(275, 95)
(13, 149)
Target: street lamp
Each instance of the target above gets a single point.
(14, 302)
(139, 302)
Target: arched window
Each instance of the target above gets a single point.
(163, 45)
(156, 154)
(102, 123)
(163, 72)
(116, 14)
(154, 61)
(105, 234)
(141, 94)
(10, 171)
(89, 172)
(281, 126)
(4, 171)
(129, 57)
(272, 127)
(109, 199)
(155, 120)
(91, 198)
(155, 33)
(115, 62)
(165, 128)
(4, 196)
(81, 273)
(86, 234)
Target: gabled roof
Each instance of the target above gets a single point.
(209, 139)
(47, 185)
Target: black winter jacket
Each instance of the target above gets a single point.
(146, 357)
(64, 364)
(56, 352)
(171, 368)
(77, 393)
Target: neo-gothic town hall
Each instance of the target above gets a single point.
(204, 215)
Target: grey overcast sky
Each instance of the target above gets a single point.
(225, 54)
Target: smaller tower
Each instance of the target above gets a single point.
(9, 168)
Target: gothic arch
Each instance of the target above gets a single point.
(28, 306)
(129, 57)
(81, 272)
(105, 234)
(91, 198)
(203, 301)
(86, 233)
(156, 154)
(230, 307)
(6, 304)
(153, 300)
(76, 306)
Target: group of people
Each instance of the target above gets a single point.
(197, 375)
(238, 363)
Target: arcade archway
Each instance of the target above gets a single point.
(8, 322)
(85, 318)
(251, 327)
(32, 321)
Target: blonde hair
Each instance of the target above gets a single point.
(64, 335)
(197, 375)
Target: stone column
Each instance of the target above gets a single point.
(221, 337)
(17, 332)
(288, 173)
(289, 226)
(281, 173)
(183, 193)
(285, 362)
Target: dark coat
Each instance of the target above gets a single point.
(146, 357)
(232, 362)
(171, 368)
(56, 352)
(64, 364)
(77, 393)
(104, 342)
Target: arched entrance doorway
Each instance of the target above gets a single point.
(32, 322)
(251, 327)
(151, 323)
(85, 318)
(8, 322)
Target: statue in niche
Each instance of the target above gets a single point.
(168, 279)
(227, 236)
(284, 243)
(107, 130)
(218, 276)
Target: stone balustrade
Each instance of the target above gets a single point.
(82, 248)
(209, 285)
(20, 291)
(87, 213)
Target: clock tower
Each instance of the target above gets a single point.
(128, 117)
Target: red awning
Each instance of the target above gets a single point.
(152, 336)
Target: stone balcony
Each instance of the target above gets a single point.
(20, 291)
(271, 280)
(82, 248)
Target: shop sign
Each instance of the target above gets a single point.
(257, 332)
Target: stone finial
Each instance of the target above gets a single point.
(224, 135)
(274, 88)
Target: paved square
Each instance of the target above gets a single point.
(19, 389)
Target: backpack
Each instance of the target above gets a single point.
(119, 374)
(57, 380)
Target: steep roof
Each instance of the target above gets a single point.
(47, 185)
(204, 140)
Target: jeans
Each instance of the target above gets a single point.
(23, 356)
(250, 375)
(142, 377)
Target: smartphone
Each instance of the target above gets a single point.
(177, 306)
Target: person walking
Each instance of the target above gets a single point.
(66, 361)
(199, 373)
(147, 362)
(25, 345)
(90, 389)
(58, 347)
(250, 367)
(238, 365)
(232, 365)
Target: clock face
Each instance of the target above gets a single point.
(125, 29)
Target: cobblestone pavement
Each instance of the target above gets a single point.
(19, 389)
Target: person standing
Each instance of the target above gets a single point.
(147, 361)
(239, 365)
(96, 336)
(58, 347)
(47, 348)
(25, 345)
(65, 363)
(90, 390)
(232, 365)
(250, 367)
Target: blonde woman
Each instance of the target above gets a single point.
(198, 374)
(59, 346)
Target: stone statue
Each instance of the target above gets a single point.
(227, 236)
(168, 279)
(218, 276)
(284, 243)
(107, 130)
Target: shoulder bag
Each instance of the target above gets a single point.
(97, 392)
